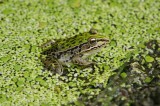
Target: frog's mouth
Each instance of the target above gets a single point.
(100, 43)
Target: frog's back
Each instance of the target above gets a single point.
(63, 45)
(72, 42)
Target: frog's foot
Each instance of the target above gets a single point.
(58, 68)
(53, 65)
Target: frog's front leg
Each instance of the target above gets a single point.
(53, 65)
(80, 61)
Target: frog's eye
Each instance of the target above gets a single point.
(92, 41)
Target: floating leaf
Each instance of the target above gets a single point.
(7, 11)
(106, 67)
(19, 89)
(42, 24)
(38, 79)
(27, 47)
(123, 75)
(33, 49)
(5, 59)
(20, 81)
(148, 80)
(17, 67)
(113, 43)
(45, 104)
(74, 3)
(3, 98)
(141, 46)
(41, 81)
(5, 46)
(149, 58)
(26, 74)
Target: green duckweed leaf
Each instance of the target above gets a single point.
(74, 3)
(21, 82)
(7, 11)
(45, 104)
(42, 24)
(113, 43)
(149, 58)
(148, 80)
(33, 49)
(123, 75)
(19, 88)
(3, 98)
(41, 81)
(17, 67)
(27, 47)
(5, 59)
(26, 74)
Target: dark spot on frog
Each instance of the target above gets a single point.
(80, 42)
(73, 41)
(62, 47)
(66, 45)
(58, 55)
(75, 50)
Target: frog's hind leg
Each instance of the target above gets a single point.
(53, 65)
(58, 67)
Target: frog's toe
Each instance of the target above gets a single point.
(59, 71)
(56, 70)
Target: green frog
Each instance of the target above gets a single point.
(73, 50)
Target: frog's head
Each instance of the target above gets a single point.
(93, 43)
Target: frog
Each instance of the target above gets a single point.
(58, 53)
